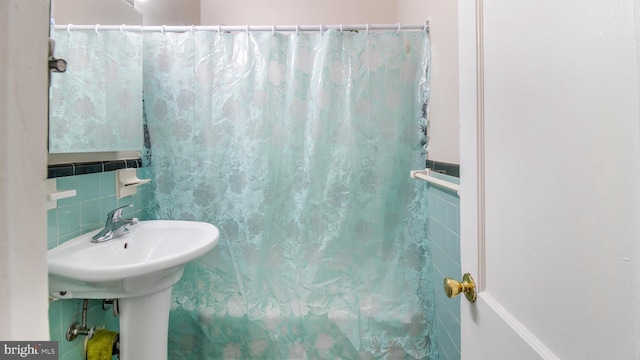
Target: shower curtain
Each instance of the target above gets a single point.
(298, 148)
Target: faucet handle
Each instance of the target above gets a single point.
(116, 214)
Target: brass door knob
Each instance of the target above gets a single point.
(453, 288)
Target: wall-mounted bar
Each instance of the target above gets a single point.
(426, 176)
(53, 194)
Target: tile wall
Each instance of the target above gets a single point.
(86, 212)
(444, 225)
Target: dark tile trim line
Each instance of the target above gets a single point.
(71, 169)
(444, 168)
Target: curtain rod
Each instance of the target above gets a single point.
(248, 28)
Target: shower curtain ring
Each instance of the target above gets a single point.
(122, 28)
(367, 29)
(321, 29)
(162, 30)
(273, 29)
(247, 29)
(96, 29)
(398, 31)
(69, 28)
(193, 29)
(297, 29)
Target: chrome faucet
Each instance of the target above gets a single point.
(115, 227)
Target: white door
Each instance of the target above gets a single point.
(550, 181)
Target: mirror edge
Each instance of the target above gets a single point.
(126, 7)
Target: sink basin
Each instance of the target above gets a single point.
(139, 269)
(151, 257)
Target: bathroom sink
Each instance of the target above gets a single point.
(148, 259)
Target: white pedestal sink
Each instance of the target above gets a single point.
(139, 269)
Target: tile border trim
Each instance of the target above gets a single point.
(72, 169)
(444, 168)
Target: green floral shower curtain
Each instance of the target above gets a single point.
(298, 148)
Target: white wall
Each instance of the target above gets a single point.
(291, 12)
(115, 12)
(444, 121)
(169, 12)
(23, 158)
(89, 12)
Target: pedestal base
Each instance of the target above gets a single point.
(144, 326)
